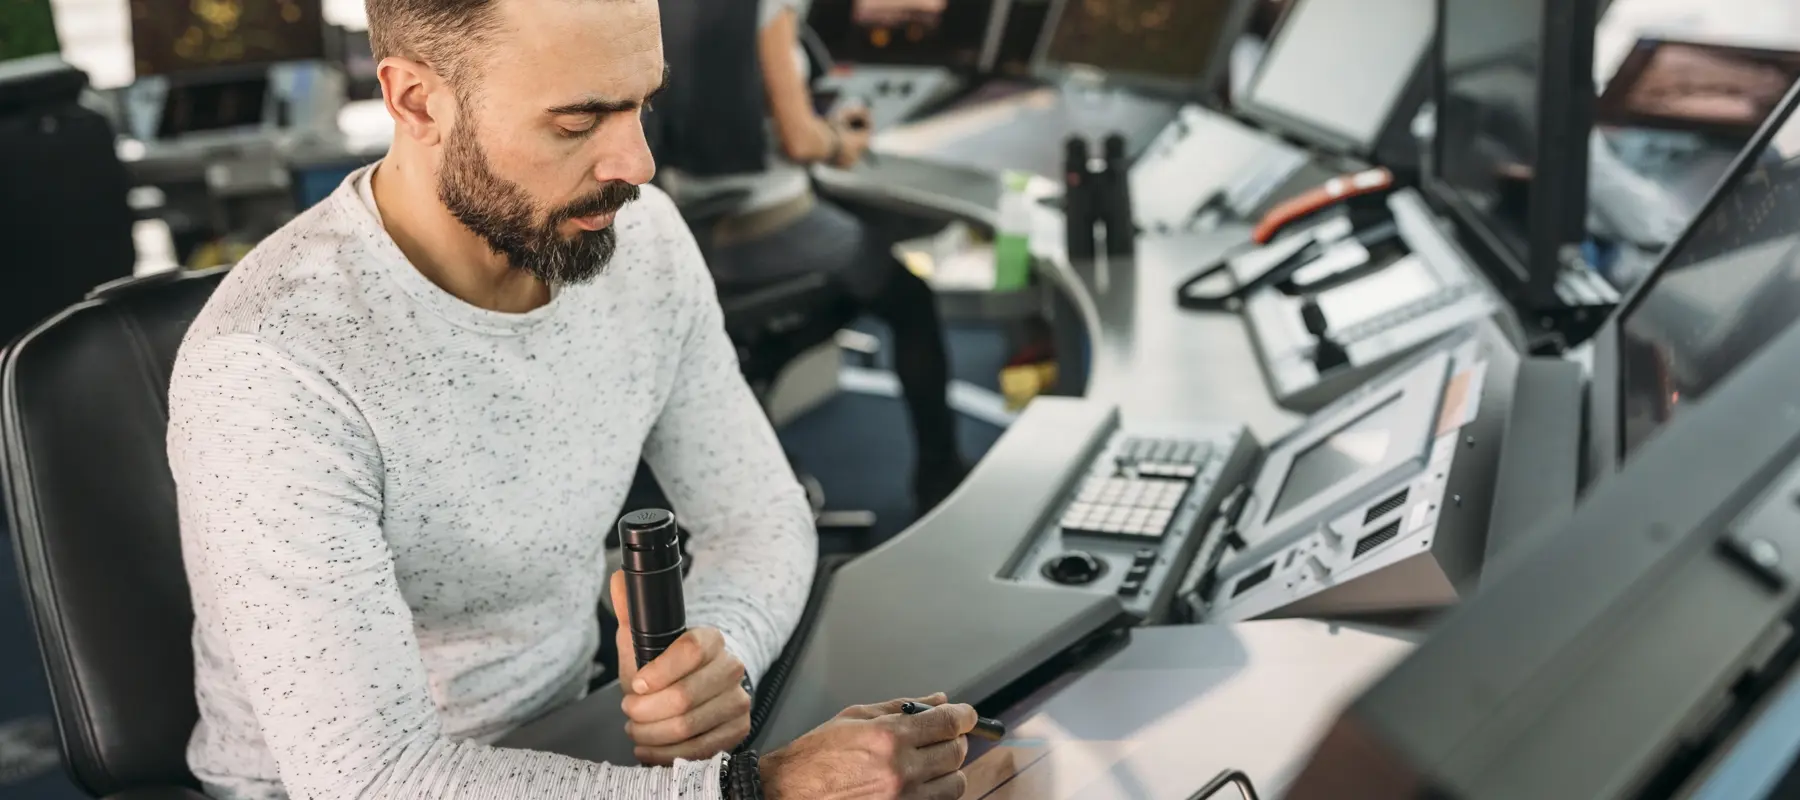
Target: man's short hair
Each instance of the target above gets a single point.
(444, 34)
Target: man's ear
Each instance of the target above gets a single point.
(408, 88)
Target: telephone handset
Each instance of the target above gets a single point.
(1368, 184)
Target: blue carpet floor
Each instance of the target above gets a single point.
(859, 446)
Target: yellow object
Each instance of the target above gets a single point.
(218, 253)
(1020, 383)
(920, 264)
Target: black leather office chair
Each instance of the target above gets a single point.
(83, 414)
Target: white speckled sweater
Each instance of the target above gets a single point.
(393, 505)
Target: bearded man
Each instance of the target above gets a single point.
(402, 425)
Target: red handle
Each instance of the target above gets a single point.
(1336, 190)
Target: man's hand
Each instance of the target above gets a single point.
(690, 702)
(854, 127)
(876, 753)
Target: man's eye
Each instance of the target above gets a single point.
(577, 130)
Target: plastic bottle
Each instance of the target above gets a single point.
(1012, 237)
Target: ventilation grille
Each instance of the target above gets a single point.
(1250, 581)
(1382, 508)
(1376, 539)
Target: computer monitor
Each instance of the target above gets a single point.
(1175, 47)
(1019, 35)
(27, 28)
(959, 35)
(1514, 111)
(173, 37)
(1723, 291)
(1623, 652)
(1697, 86)
(1336, 70)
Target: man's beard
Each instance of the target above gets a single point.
(502, 214)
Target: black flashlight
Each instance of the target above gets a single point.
(652, 566)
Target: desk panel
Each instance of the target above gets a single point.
(1152, 358)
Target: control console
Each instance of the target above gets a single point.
(1314, 346)
(1132, 522)
(1219, 160)
(1380, 502)
(893, 94)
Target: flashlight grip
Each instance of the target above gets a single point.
(657, 610)
(650, 547)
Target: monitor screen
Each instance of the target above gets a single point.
(1351, 449)
(214, 106)
(27, 28)
(1339, 66)
(1025, 20)
(169, 37)
(1177, 42)
(936, 33)
(1697, 86)
(1728, 287)
(1487, 115)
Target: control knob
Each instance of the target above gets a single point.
(1074, 568)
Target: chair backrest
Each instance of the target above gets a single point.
(710, 120)
(64, 221)
(83, 467)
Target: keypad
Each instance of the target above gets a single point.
(1140, 495)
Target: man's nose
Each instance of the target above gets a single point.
(627, 157)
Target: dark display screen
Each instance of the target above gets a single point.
(1487, 119)
(1697, 86)
(214, 106)
(169, 37)
(1025, 21)
(1353, 448)
(27, 28)
(1165, 40)
(1724, 291)
(936, 33)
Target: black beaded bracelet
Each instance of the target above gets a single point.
(741, 779)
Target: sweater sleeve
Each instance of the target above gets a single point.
(279, 482)
(716, 456)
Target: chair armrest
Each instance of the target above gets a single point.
(707, 210)
(751, 306)
(157, 793)
(591, 729)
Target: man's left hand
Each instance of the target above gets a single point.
(690, 702)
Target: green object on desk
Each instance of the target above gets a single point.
(27, 28)
(1012, 235)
